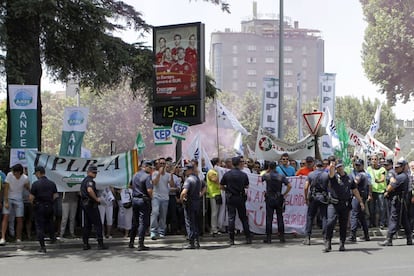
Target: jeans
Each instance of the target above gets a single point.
(214, 215)
(68, 213)
(377, 205)
(158, 216)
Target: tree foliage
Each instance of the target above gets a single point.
(388, 49)
(76, 40)
(357, 114)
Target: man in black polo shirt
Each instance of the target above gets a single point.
(90, 202)
(42, 195)
(234, 182)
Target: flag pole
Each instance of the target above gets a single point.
(217, 135)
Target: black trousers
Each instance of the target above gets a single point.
(236, 203)
(398, 213)
(44, 220)
(191, 214)
(358, 217)
(313, 207)
(272, 205)
(336, 212)
(140, 218)
(92, 217)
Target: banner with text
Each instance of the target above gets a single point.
(327, 101)
(162, 136)
(295, 211)
(270, 148)
(68, 172)
(74, 126)
(23, 118)
(270, 108)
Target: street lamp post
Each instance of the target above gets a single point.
(281, 81)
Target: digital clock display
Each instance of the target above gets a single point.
(191, 112)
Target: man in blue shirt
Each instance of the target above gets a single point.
(284, 168)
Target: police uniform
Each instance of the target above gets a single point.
(274, 201)
(362, 182)
(141, 203)
(44, 192)
(317, 199)
(339, 189)
(235, 182)
(192, 185)
(396, 195)
(91, 211)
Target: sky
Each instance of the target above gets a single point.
(340, 22)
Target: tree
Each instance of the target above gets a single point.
(74, 40)
(357, 114)
(388, 49)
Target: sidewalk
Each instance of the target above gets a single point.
(118, 240)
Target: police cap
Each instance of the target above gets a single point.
(93, 168)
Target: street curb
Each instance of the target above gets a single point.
(168, 240)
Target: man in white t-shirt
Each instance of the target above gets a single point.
(14, 185)
(162, 181)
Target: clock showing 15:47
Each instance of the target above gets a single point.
(189, 112)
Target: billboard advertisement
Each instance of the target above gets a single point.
(179, 62)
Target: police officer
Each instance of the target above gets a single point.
(42, 195)
(90, 202)
(234, 182)
(396, 194)
(141, 202)
(275, 201)
(316, 197)
(190, 196)
(339, 190)
(360, 178)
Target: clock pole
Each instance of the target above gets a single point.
(178, 150)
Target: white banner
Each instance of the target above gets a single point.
(294, 215)
(75, 120)
(162, 135)
(270, 108)
(23, 121)
(269, 148)
(68, 172)
(327, 101)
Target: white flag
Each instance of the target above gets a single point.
(194, 150)
(397, 146)
(375, 123)
(225, 119)
(238, 145)
(331, 130)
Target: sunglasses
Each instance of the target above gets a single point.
(285, 159)
(302, 163)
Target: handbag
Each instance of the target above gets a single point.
(219, 199)
(128, 200)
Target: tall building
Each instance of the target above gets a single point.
(240, 60)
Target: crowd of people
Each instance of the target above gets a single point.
(167, 198)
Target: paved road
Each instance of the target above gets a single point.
(214, 258)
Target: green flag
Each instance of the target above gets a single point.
(139, 143)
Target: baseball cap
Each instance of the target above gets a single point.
(339, 164)
(359, 162)
(93, 168)
(401, 163)
(39, 169)
(188, 167)
(309, 159)
(387, 162)
(146, 163)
